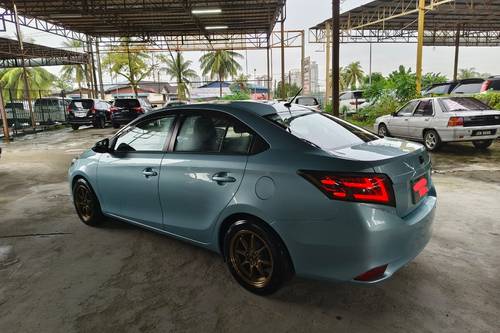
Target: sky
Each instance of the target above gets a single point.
(305, 14)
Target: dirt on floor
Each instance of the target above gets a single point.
(58, 275)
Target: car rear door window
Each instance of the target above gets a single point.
(440, 89)
(148, 135)
(407, 110)
(424, 109)
(213, 133)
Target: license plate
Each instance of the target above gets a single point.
(483, 132)
(80, 114)
(419, 188)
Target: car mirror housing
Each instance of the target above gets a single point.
(101, 146)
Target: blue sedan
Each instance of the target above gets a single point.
(276, 189)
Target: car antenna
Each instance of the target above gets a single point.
(289, 103)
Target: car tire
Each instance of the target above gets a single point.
(261, 267)
(75, 127)
(432, 141)
(482, 144)
(86, 203)
(115, 125)
(383, 131)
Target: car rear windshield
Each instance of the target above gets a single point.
(453, 104)
(127, 103)
(467, 88)
(321, 130)
(82, 103)
(307, 101)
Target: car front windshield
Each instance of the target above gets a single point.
(454, 104)
(321, 130)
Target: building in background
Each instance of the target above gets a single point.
(314, 77)
(295, 77)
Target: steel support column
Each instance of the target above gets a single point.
(283, 90)
(99, 68)
(457, 47)
(420, 44)
(335, 56)
(5, 121)
(302, 56)
(268, 63)
(327, 63)
(23, 65)
(92, 67)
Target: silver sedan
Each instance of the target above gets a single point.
(434, 121)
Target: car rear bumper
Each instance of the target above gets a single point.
(80, 120)
(466, 133)
(122, 119)
(364, 238)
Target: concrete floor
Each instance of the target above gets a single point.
(58, 275)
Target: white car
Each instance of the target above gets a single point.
(351, 101)
(442, 119)
(309, 101)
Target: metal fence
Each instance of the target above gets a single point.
(48, 108)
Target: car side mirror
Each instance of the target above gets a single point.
(102, 146)
(154, 105)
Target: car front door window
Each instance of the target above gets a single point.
(149, 135)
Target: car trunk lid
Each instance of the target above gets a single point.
(404, 162)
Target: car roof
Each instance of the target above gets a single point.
(259, 108)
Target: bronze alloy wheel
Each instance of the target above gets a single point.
(84, 202)
(251, 258)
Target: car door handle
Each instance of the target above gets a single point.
(149, 172)
(222, 177)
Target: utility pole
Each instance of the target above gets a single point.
(420, 43)
(335, 56)
(99, 69)
(327, 62)
(23, 65)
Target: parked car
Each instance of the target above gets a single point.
(174, 103)
(443, 119)
(275, 190)
(18, 114)
(491, 84)
(309, 101)
(124, 110)
(93, 112)
(49, 110)
(468, 87)
(351, 101)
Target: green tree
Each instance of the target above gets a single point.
(38, 79)
(178, 69)
(290, 89)
(377, 87)
(467, 73)
(220, 64)
(403, 83)
(433, 78)
(74, 73)
(62, 84)
(129, 61)
(353, 74)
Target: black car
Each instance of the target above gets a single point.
(491, 84)
(124, 110)
(88, 112)
(446, 88)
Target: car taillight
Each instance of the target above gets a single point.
(139, 109)
(69, 110)
(92, 109)
(455, 121)
(485, 85)
(113, 109)
(373, 188)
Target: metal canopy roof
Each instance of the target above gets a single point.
(36, 55)
(396, 21)
(116, 18)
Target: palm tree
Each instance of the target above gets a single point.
(343, 79)
(178, 68)
(75, 73)
(354, 74)
(220, 64)
(129, 61)
(467, 73)
(38, 79)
